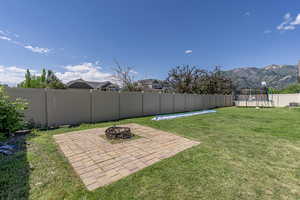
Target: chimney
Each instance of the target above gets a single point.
(299, 72)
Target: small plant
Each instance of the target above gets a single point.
(11, 113)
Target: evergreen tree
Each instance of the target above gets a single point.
(27, 79)
(46, 80)
(43, 76)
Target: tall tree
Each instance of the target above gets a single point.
(45, 80)
(27, 83)
(187, 79)
(124, 75)
(43, 76)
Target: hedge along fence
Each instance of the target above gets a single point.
(49, 107)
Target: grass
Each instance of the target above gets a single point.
(244, 154)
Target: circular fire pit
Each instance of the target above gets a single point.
(115, 132)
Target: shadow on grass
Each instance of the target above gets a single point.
(14, 171)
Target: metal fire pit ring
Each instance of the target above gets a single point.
(116, 132)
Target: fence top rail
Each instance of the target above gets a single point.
(126, 92)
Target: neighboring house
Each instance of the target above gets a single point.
(153, 85)
(82, 84)
(149, 84)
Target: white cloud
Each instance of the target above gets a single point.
(12, 75)
(188, 51)
(267, 31)
(8, 37)
(296, 21)
(86, 71)
(289, 27)
(247, 14)
(133, 72)
(287, 16)
(81, 67)
(4, 33)
(37, 49)
(15, 69)
(288, 22)
(4, 38)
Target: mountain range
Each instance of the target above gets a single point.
(275, 76)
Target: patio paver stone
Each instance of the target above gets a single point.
(99, 163)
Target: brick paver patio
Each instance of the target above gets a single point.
(99, 162)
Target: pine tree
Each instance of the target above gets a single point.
(43, 76)
(27, 79)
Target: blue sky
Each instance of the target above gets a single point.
(80, 39)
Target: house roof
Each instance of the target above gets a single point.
(147, 81)
(92, 84)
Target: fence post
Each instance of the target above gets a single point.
(46, 107)
(159, 101)
(185, 102)
(143, 103)
(195, 102)
(173, 102)
(216, 101)
(91, 106)
(119, 102)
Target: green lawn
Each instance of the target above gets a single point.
(245, 154)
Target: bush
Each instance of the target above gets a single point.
(11, 113)
(291, 89)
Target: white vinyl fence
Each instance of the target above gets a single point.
(274, 100)
(49, 107)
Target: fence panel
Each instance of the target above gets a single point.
(68, 107)
(204, 99)
(196, 102)
(222, 100)
(58, 107)
(285, 99)
(105, 106)
(151, 103)
(219, 100)
(131, 104)
(200, 102)
(166, 103)
(189, 106)
(231, 100)
(36, 112)
(179, 102)
(210, 101)
(227, 100)
(273, 100)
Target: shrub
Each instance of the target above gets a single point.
(291, 89)
(11, 113)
